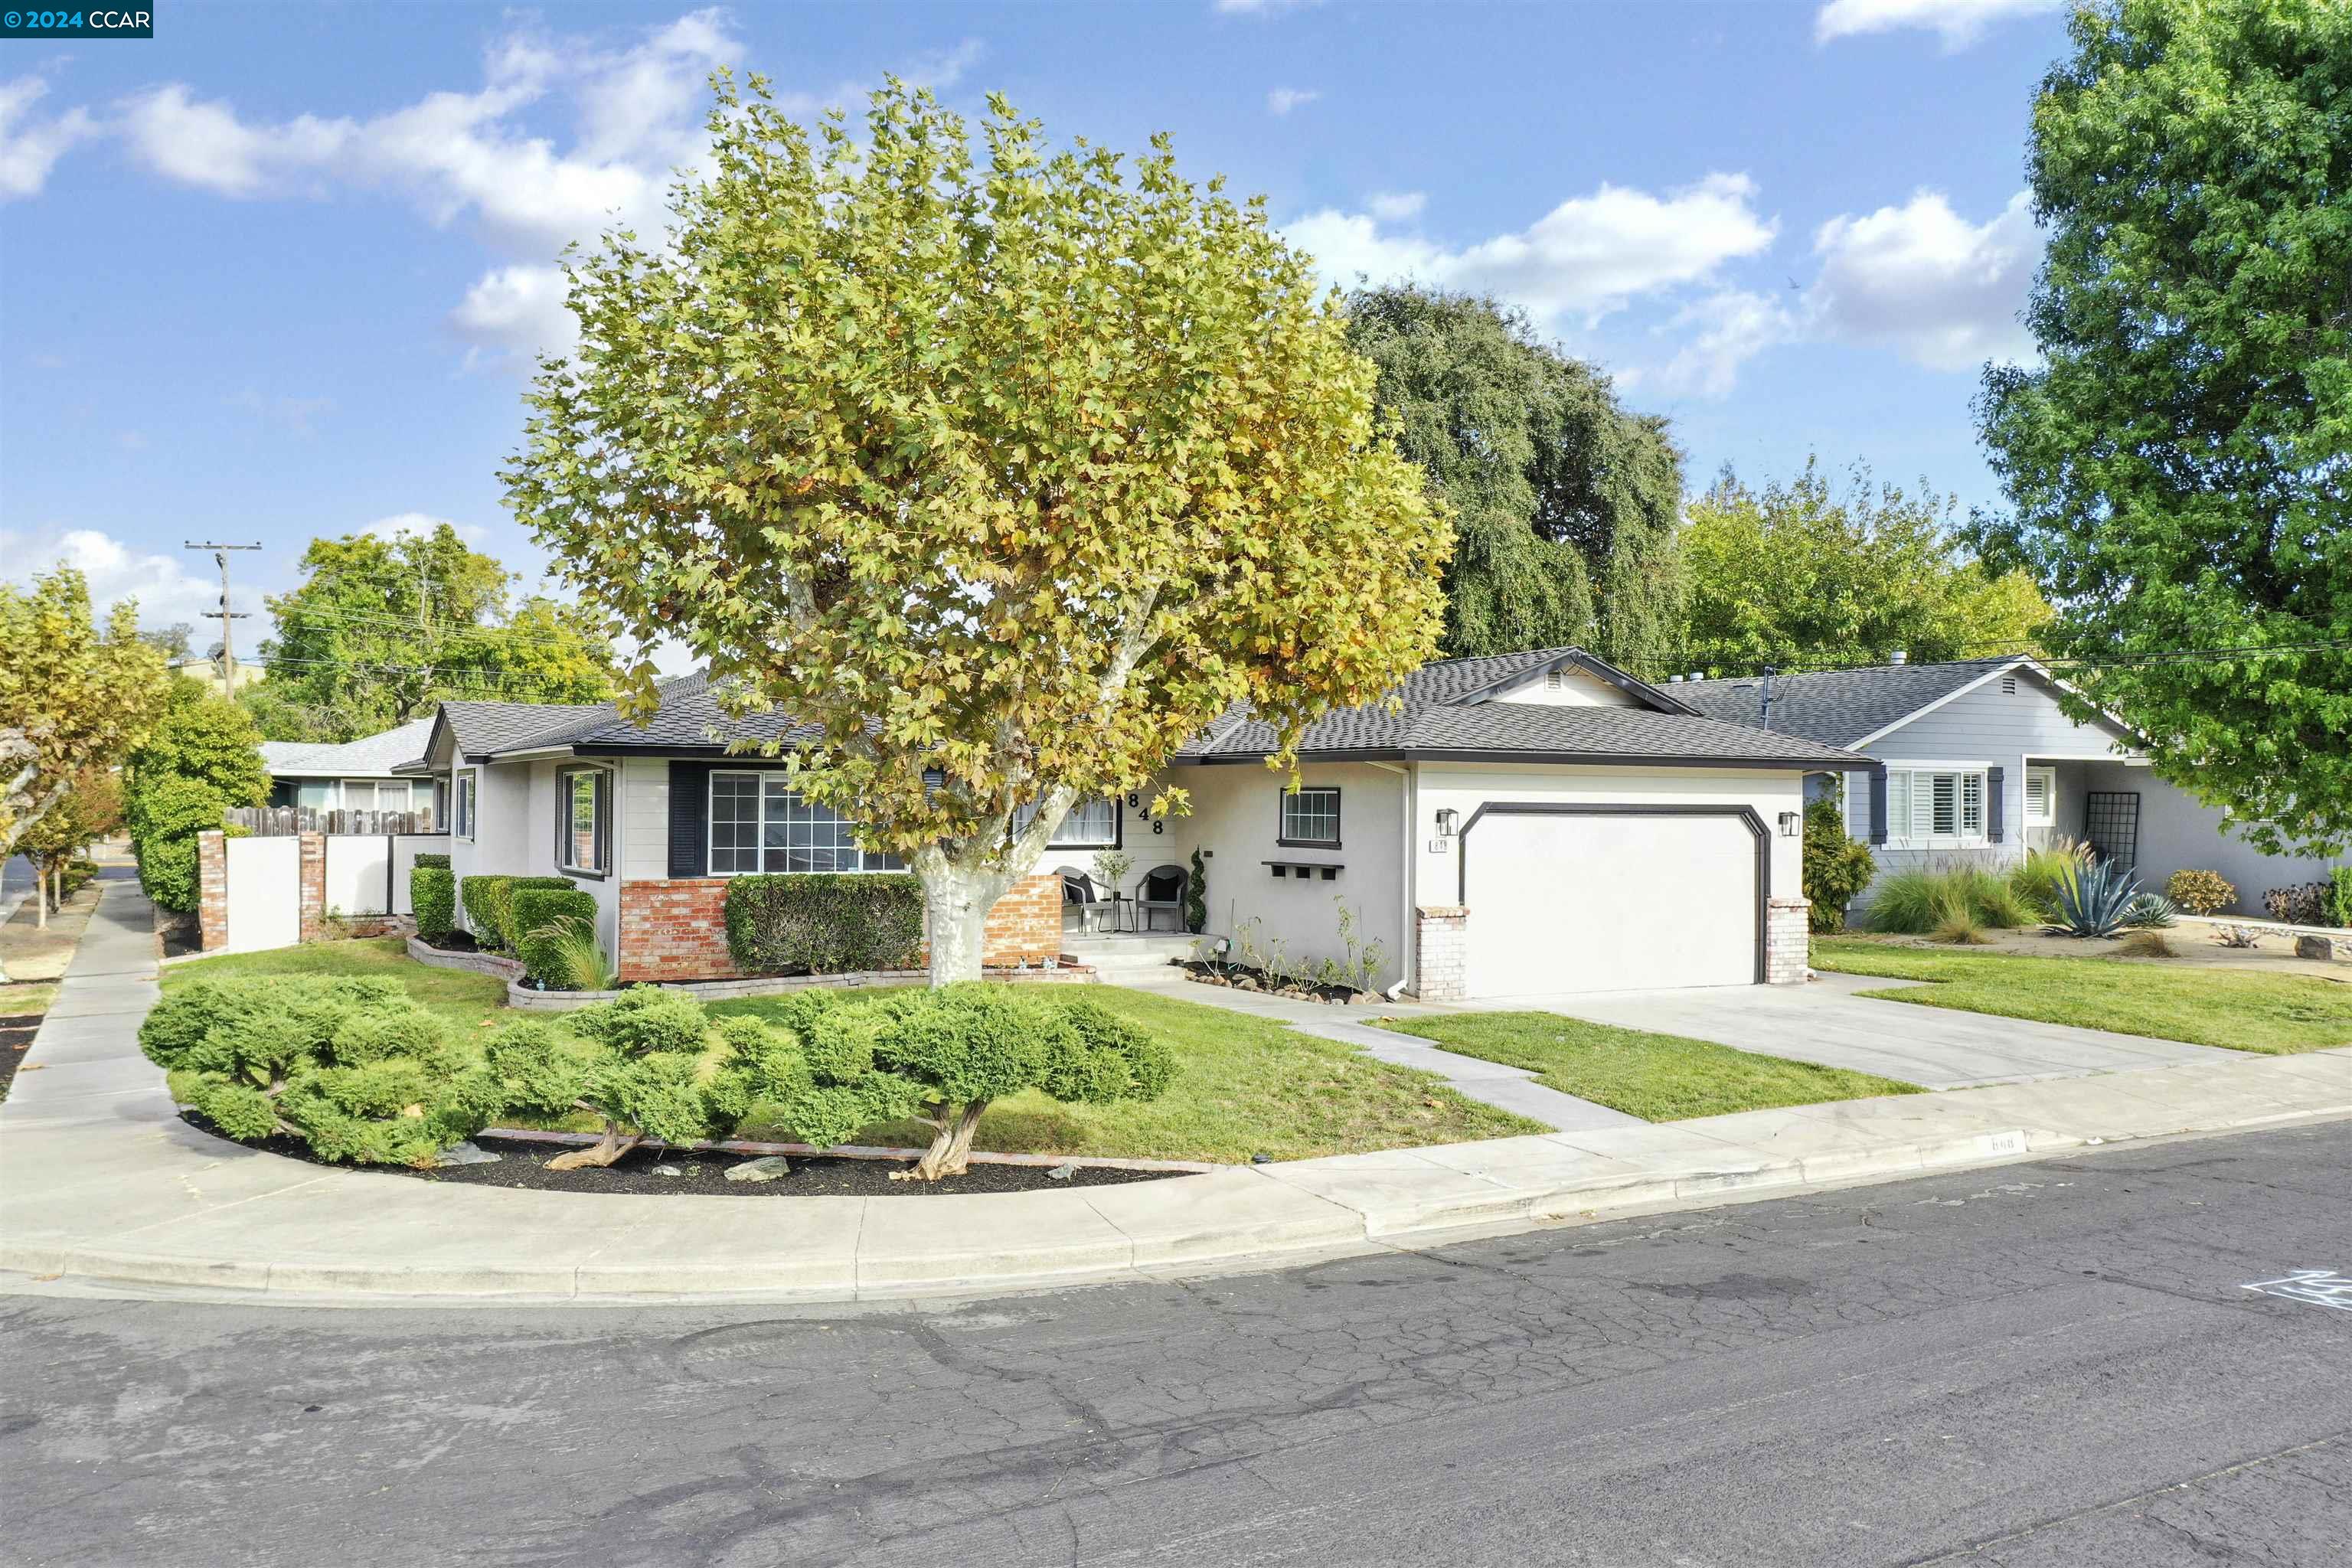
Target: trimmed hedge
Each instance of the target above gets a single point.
(822, 922)
(167, 817)
(435, 862)
(433, 895)
(489, 905)
(537, 910)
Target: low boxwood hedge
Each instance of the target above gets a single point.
(433, 895)
(439, 862)
(824, 923)
(540, 916)
(489, 905)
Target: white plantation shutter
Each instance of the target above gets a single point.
(2037, 797)
(1923, 806)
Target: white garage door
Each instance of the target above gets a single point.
(1608, 903)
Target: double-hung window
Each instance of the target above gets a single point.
(583, 820)
(1310, 819)
(759, 822)
(461, 815)
(1924, 804)
(1091, 825)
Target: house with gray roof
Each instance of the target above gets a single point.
(1537, 822)
(1980, 762)
(352, 775)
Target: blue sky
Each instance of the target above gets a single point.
(277, 272)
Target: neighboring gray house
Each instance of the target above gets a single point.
(1981, 763)
(353, 775)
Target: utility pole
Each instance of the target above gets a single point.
(225, 614)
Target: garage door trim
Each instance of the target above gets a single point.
(1746, 816)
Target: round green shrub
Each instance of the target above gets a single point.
(645, 1019)
(433, 895)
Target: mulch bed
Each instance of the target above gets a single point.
(17, 1032)
(524, 1165)
(453, 942)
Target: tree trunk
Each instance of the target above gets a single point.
(951, 1151)
(611, 1147)
(957, 899)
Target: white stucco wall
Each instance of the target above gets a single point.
(515, 836)
(2178, 832)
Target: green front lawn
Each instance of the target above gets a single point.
(1243, 1085)
(2242, 1010)
(1658, 1078)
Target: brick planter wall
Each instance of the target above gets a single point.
(676, 930)
(1442, 948)
(1787, 940)
(312, 854)
(212, 889)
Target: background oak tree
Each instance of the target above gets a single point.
(1000, 473)
(2179, 464)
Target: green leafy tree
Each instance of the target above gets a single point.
(1803, 575)
(2179, 464)
(1003, 475)
(91, 808)
(381, 629)
(1564, 503)
(202, 757)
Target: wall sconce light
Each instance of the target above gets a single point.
(1789, 822)
(1448, 822)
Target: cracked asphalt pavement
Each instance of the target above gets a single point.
(2055, 1363)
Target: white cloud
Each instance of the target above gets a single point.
(1726, 330)
(1395, 207)
(416, 524)
(1959, 22)
(1283, 99)
(1921, 280)
(520, 310)
(1587, 256)
(162, 582)
(30, 148)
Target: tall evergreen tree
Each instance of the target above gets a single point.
(2179, 464)
(1565, 504)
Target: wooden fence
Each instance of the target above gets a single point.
(286, 821)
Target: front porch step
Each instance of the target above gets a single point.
(1127, 953)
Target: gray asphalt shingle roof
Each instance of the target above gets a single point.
(1442, 712)
(370, 754)
(1839, 707)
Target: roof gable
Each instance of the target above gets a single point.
(1855, 707)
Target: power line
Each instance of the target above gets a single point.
(225, 614)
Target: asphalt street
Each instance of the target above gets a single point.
(2058, 1362)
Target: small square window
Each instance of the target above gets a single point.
(1311, 818)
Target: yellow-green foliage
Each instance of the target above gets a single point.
(2200, 893)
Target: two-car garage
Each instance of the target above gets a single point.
(1585, 896)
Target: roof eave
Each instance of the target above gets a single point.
(1824, 762)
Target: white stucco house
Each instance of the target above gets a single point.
(1532, 823)
(1982, 763)
(352, 775)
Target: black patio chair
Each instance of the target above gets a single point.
(1162, 893)
(1078, 891)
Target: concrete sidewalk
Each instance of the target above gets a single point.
(100, 1181)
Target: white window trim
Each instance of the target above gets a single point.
(1960, 840)
(1292, 799)
(1118, 840)
(466, 803)
(2049, 777)
(760, 847)
(603, 825)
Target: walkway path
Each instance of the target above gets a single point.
(100, 1181)
(1825, 1022)
(1508, 1088)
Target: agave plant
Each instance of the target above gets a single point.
(2092, 900)
(2150, 911)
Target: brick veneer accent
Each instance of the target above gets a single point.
(1441, 947)
(311, 855)
(1787, 940)
(677, 928)
(1026, 926)
(212, 889)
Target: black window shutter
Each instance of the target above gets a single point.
(689, 819)
(1993, 804)
(1878, 806)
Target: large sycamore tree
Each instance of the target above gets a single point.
(1000, 471)
(2181, 462)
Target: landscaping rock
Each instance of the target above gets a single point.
(766, 1168)
(465, 1153)
(1063, 1172)
(669, 1171)
(2314, 946)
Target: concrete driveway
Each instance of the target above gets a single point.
(1825, 1022)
